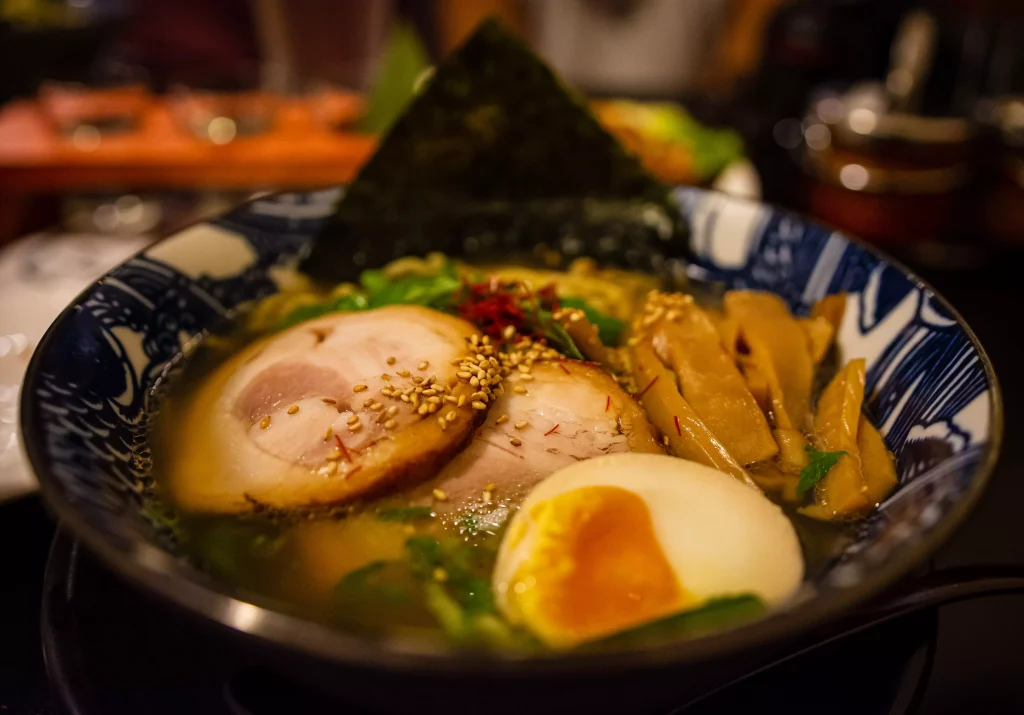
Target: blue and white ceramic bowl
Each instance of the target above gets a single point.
(87, 398)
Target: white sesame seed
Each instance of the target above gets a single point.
(390, 424)
(293, 409)
(359, 388)
(265, 422)
(519, 390)
(522, 424)
(391, 361)
(501, 420)
(423, 365)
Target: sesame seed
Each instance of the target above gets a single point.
(387, 391)
(490, 487)
(352, 420)
(391, 361)
(359, 388)
(522, 424)
(431, 408)
(265, 422)
(417, 380)
(355, 427)
(462, 400)
(293, 409)
(434, 400)
(405, 398)
(477, 405)
(328, 433)
(332, 468)
(633, 341)
(390, 424)
(487, 497)
(475, 339)
(403, 373)
(392, 411)
(430, 392)
(501, 420)
(475, 381)
(463, 374)
(423, 365)
(519, 390)
(526, 378)
(509, 331)
(422, 409)
(523, 368)
(440, 574)
(334, 455)
(452, 414)
(442, 423)
(451, 398)
(516, 442)
(385, 377)
(328, 400)
(377, 406)
(368, 401)
(440, 495)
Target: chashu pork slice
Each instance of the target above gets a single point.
(560, 413)
(318, 414)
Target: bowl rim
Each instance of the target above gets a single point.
(173, 582)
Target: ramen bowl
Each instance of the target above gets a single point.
(91, 392)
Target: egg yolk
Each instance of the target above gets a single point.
(595, 567)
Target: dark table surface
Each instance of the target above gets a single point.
(979, 662)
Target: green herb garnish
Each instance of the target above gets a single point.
(376, 580)
(469, 523)
(431, 291)
(557, 336)
(715, 615)
(609, 329)
(817, 468)
(404, 513)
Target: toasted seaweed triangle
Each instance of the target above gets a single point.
(494, 155)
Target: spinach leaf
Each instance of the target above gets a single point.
(609, 329)
(356, 301)
(817, 468)
(715, 615)
(404, 513)
(431, 291)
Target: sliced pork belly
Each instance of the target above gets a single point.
(318, 415)
(560, 413)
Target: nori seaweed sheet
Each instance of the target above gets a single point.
(494, 156)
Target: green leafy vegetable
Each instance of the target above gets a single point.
(404, 513)
(557, 336)
(356, 301)
(431, 291)
(469, 522)
(609, 329)
(817, 468)
(403, 61)
(378, 581)
(715, 615)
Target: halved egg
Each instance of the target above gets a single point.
(616, 541)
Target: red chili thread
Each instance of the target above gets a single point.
(678, 430)
(649, 386)
(341, 446)
(551, 430)
(564, 369)
(608, 403)
(349, 474)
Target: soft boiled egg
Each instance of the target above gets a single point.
(613, 542)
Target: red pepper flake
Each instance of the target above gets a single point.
(678, 430)
(551, 430)
(564, 369)
(491, 306)
(608, 403)
(349, 474)
(649, 386)
(341, 446)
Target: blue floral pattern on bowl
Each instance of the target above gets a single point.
(931, 389)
